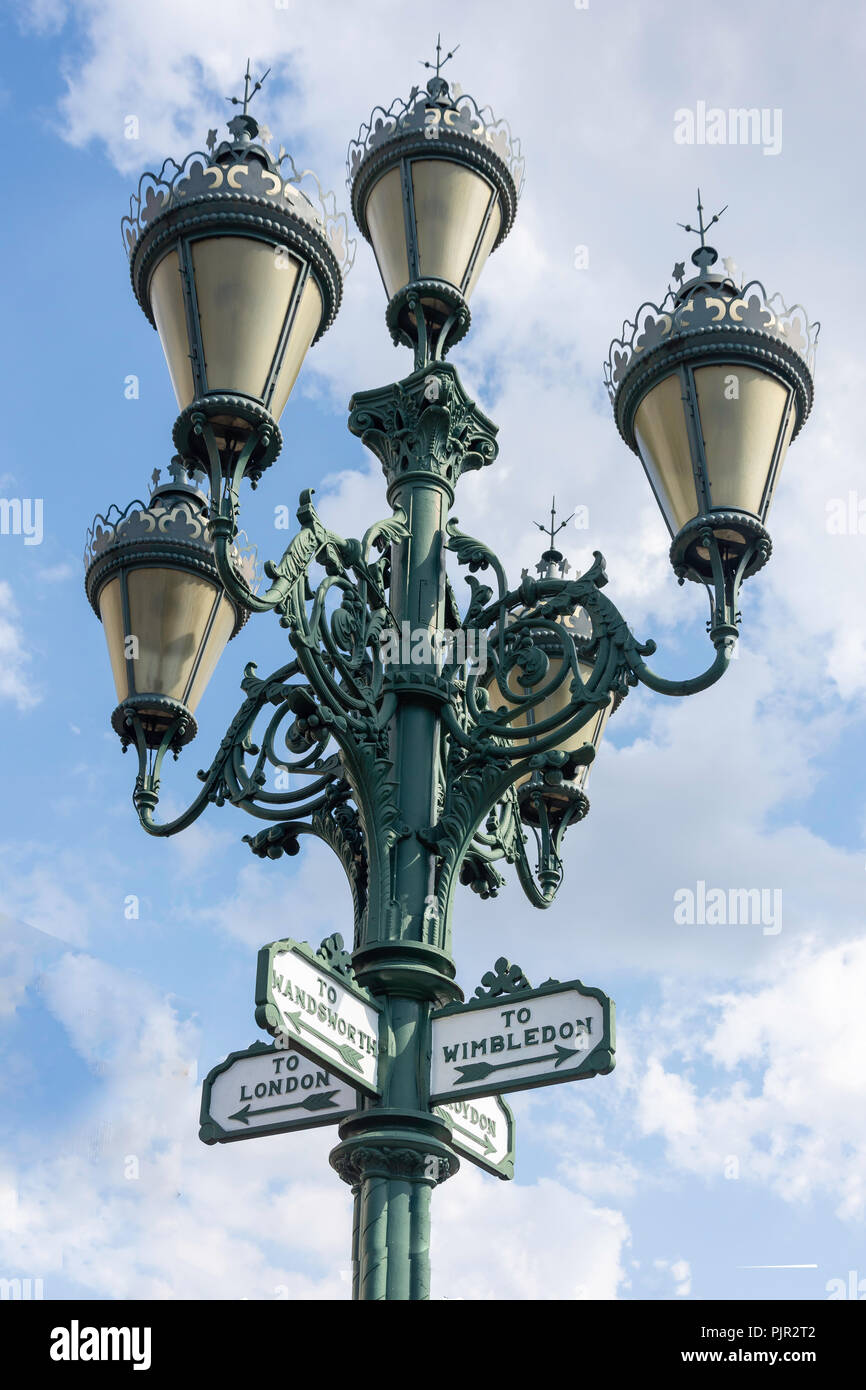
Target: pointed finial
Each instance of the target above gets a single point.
(553, 530)
(703, 256)
(248, 95)
(440, 61)
(702, 228)
(437, 87)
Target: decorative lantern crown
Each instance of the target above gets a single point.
(235, 169)
(706, 303)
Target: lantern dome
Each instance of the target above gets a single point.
(709, 388)
(434, 183)
(237, 260)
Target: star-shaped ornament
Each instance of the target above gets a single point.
(731, 268)
(679, 271)
(238, 127)
(265, 135)
(211, 139)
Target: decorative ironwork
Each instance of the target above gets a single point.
(336, 957)
(504, 978)
(338, 695)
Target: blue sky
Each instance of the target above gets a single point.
(733, 1044)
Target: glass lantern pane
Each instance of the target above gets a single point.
(590, 732)
(216, 642)
(169, 611)
(387, 227)
(450, 204)
(663, 443)
(786, 439)
(111, 613)
(741, 412)
(306, 322)
(243, 287)
(166, 301)
(487, 242)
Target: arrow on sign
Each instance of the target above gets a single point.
(350, 1055)
(323, 1101)
(480, 1139)
(478, 1071)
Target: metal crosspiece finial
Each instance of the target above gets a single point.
(701, 229)
(248, 95)
(440, 61)
(553, 530)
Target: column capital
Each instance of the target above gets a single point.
(401, 1146)
(424, 425)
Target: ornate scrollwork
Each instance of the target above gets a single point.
(515, 738)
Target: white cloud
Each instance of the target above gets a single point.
(56, 890)
(15, 681)
(680, 1272)
(529, 1242)
(786, 1093)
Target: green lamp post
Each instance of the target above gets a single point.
(422, 774)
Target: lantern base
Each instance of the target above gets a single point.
(156, 714)
(559, 798)
(220, 427)
(429, 316)
(734, 532)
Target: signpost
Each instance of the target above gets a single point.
(269, 1090)
(483, 1131)
(313, 1000)
(528, 1037)
(326, 1060)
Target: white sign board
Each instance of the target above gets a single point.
(322, 1012)
(532, 1037)
(482, 1130)
(270, 1090)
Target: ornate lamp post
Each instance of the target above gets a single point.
(424, 771)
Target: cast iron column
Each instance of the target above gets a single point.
(394, 1151)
